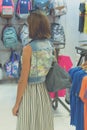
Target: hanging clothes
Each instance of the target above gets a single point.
(81, 17)
(83, 96)
(76, 104)
(85, 19)
(66, 63)
(73, 73)
(67, 96)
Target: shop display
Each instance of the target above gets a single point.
(7, 8)
(66, 63)
(12, 66)
(57, 33)
(42, 5)
(9, 36)
(68, 24)
(58, 7)
(23, 34)
(22, 8)
(77, 97)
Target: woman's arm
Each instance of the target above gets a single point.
(26, 59)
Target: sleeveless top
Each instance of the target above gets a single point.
(41, 60)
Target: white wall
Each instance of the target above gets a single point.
(70, 21)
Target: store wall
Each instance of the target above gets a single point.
(70, 22)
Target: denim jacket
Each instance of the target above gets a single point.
(41, 60)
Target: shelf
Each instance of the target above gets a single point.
(5, 50)
(9, 49)
(8, 79)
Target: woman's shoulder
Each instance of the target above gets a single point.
(27, 48)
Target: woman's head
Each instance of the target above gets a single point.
(39, 26)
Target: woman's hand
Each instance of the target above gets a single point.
(15, 110)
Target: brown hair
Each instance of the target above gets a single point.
(39, 26)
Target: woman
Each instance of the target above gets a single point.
(33, 107)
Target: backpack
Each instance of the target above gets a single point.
(42, 5)
(12, 66)
(24, 34)
(58, 7)
(0, 6)
(9, 36)
(7, 8)
(22, 8)
(57, 33)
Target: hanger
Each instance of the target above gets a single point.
(85, 69)
(84, 66)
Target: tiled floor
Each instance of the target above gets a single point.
(8, 121)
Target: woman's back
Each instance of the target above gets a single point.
(41, 60)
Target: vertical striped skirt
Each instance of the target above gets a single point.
(35, 109)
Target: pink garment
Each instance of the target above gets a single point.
(0, 6)
(62, 93)
(66, 63)
(52, 95)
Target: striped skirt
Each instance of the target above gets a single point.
(35, 109)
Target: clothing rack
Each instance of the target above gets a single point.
(57, 47)
(55, 101)
(82, 50)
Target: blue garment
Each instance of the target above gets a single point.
(77, 106)
(7, 3)
(41, 60)
(73, 73)
(73, 70)
(73, 98)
